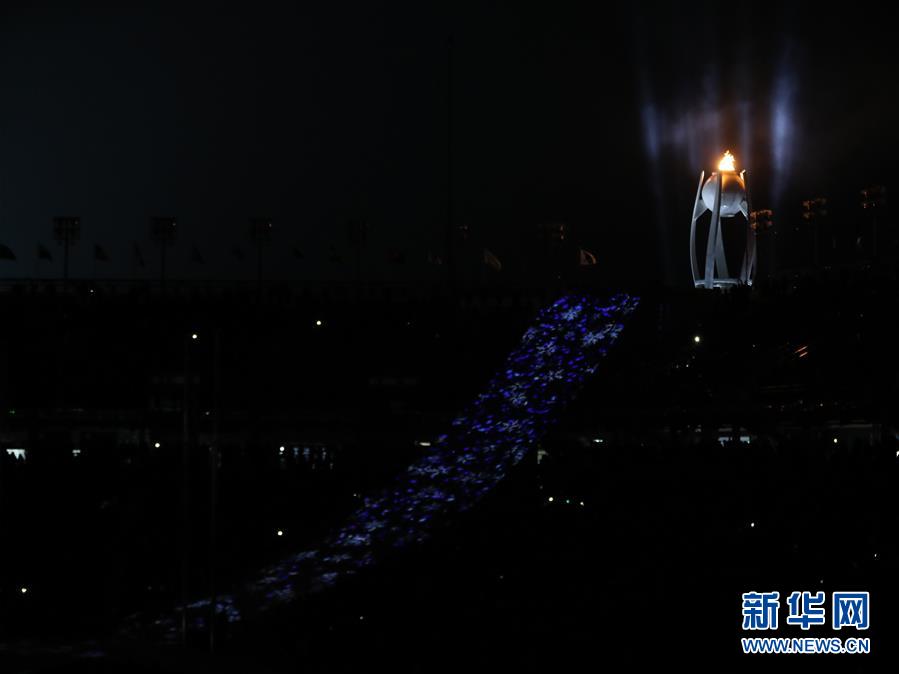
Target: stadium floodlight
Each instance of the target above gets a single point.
(66, 231)
(814, 211)
(261, 233)
(162, 231)
(874, 200)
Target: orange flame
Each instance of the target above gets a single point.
(727, 162)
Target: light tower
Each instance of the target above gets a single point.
(66, 231)
(725, 194)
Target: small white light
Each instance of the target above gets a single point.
(156, 445)
(696, 339)
(550, 499)
(362, 617)
(752, 525)
(279, 532)
(281, 449)
(318, 324)
(24, 590)
(835, 441)
(193, 336)
(582, 504)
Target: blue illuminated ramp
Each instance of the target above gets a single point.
(557, 354)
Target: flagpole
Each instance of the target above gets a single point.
(185, 491)
(66, 231)
(214, 460)
(65, 260)
(260, 231)
(162, 231)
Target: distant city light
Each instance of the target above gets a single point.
(423, 443)
(752, 525)
(24, 590)
(156, 445)
(582, 504)
(835, 440)
(598, 441)
(318, 324)
(281, 449)
(550, 499)
(193, 336)
(76, 452)
(279, 532)
(696, 339)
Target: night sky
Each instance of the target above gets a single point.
(315, 114)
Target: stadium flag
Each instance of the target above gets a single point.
(492, 261)
(100, 254)
(587, 259)
(43, 253)
(6, 253)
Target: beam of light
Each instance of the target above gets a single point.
(782, 136)
(651, 140)
(744, 111)
(557, 354)
(711, 104)
(689, 130)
